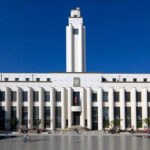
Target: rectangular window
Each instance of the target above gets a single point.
(76, 99)
(2, 96)
(76, 82)
(139, 117)
(2, 117)
(6, 79)
(94, 118)
(114, 79)
(138, 96)
(46, 116)
(48, 79)
(128, 117)
(38, 79)
(35, 96)
(124, 79)
(75, 31)
(117, 116)
(94, 97)
(27, 79)
(47, 96)
(145, 79)
(127, 96)
(36, 116)
(25, 116)
(16, 79)
(105, 96)
(58, 96)
(105, 117)
(13, 96)
(58, 117)
(116, 96)
(134, 80)
(24, 96)
(148, 96)
(13, 112)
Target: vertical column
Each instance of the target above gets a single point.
(19, 106)
(89, 108)
(69, 54)
(41, 107)
(80, 48)
(83, 107)
(69, 107)
(30, 108)
(8, 108)
(111, 104)
(63, 108)
(144, 106)
(100, 109)
(133, 109)
(122, 108)
(52, 98)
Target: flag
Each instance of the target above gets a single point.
(76, 100)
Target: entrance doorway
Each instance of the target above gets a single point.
(76, 118)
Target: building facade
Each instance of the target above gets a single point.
(75, 97)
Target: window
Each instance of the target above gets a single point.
(94, 118)
(13, 112)
(145, 79)
(148, 96)
(2, 96)
(48, 79)
(128, 116)
(46, 96)
(105, 117)
(24, 96)
(114, 79)
(94, 97)
(105, 96)
(134, 80)
(35, 96)
(38, 79)
(138, 96)
(58, 96)
(76, 82)
(116, 96)
(27, 79)
(2, 117)
(46, 116)
(76, 99)
(117, 115)
(25, 116)
(16, 79)
(139, 116)
(124, 79)
(6, 79)
(75, 31)
(13, 96)
(127, 96)
(103, 79)
(58, 117)
(35, 113)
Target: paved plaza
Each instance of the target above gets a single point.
(64, 142)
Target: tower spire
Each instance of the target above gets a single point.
(75, 43)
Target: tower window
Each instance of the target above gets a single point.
(75, 31)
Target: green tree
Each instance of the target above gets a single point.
(115, 122)
(36, 123)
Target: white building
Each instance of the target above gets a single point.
(75, 97)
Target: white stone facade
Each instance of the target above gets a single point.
(50, 97)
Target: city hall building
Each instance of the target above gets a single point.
(75, 97)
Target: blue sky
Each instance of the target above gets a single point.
(32, 35)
